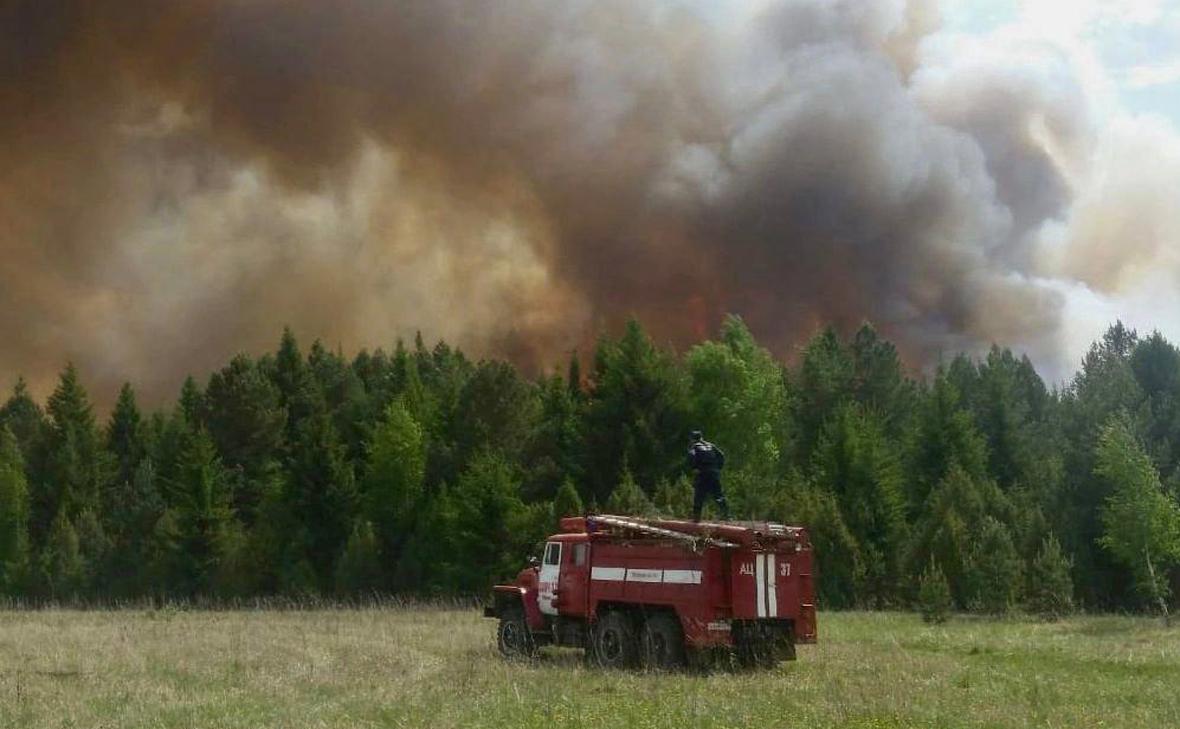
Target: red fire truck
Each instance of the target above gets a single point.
(653, 592)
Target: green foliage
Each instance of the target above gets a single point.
(628, 499)
(673, 499)
(567, 502)
(996, 570)
(76, 464)
(202, 518)
(855, 460)
(14, 511)
(842, 563)
(1141, 523)
(1049, 591)
(636, 414)
(62, 569)
(359, 568)
(310, 473)
(393, 482)
(483, 526)
(322, 497)
(934, 595)
(959, 505)
(738, 397)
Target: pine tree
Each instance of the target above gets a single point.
(934, 595)
(298, 391)
(483, 525)
(628, 499)
(995, 569)
(636, 414)
(855, 461)
(567, 502)
(77, 466)
(202, 516)
(322, 495)
(1050, 588)
(14, 512)
(248, 423)
(393, 482)
(359, 568)
(673, 498)
(62, 567)
(24, 418)
(124, 436)
(554, 449)
(193, 405)
(134, 508)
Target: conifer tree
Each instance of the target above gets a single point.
(359, 569)
(14, 512)
(76, 464)
(995, 569)
(673, 498)
(24, 418)
(393, 482)
(1050, 588)
(322, 495)
(202, 516)
(628, 499)
(567, 502)
(934, 595)
(124, 436)
(62, 568)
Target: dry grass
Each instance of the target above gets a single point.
(438, 668)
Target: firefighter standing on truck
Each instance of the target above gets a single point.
(707, 460)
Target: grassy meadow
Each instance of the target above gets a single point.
(411, 667)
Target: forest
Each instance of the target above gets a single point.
(422, 472)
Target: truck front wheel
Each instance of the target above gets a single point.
(662, 642)
(513, 637)
(614, 642)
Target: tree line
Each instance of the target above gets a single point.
(420, 471)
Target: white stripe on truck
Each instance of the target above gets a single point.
(645, 575)
(667, 577)
(682, 577)
(760, 582)
(608, 574)
(771, 588)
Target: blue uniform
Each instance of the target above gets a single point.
(707, 460)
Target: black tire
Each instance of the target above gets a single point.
(614, 642)
(513, 637)
(661, 643)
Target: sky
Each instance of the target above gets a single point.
(1127, 53)
(180, 181)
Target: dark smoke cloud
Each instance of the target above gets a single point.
(178, 180)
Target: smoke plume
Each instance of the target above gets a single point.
(179, 180)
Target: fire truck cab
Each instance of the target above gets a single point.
(653, 592)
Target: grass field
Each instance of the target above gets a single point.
(438, 668)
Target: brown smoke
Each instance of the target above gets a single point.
(178, 180)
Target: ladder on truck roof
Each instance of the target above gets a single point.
(650, 530)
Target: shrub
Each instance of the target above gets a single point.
(934, 595)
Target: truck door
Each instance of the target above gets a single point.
(547, 580)
(572, 583)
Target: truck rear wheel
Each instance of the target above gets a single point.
(614, 642)
(661, 644)
(513, 637)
